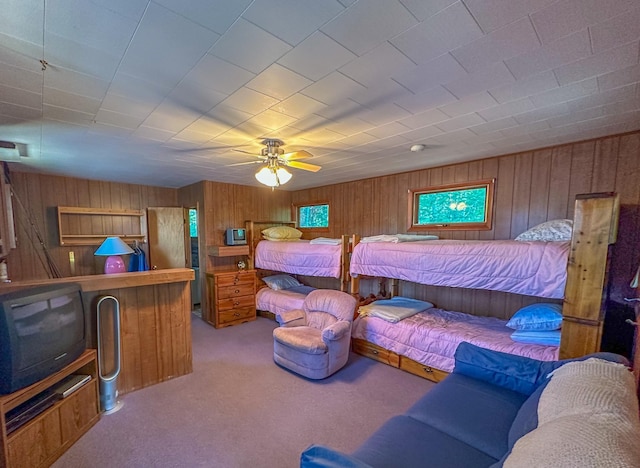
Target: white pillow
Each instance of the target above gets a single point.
(281, 232)
(278, 282)
(555, 230)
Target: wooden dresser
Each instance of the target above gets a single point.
(232, 297)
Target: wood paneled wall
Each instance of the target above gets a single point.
(531, 188)
(40, 194)
(223, 206)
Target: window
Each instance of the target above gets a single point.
(458, 206)
(193, 222)
(313, 216)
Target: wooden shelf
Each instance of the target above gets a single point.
(91, 226)
(227, 250)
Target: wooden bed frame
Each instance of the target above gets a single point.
(595, 229)
(254, 236)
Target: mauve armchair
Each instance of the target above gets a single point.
(315, 341)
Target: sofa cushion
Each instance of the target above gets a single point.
(319, 456)
(406, 442)
(476, 412)
(517, 373)
(588, 416)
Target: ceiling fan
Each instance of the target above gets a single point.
(275, 159)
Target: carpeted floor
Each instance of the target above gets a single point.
(239, 409)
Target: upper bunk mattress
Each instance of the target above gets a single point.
(299, 257)
(431, 337)
(529, 268)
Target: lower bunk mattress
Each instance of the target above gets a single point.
(431, 337)
(278, 301)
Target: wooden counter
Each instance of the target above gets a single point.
(155, 321)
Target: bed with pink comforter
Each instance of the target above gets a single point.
(300, 257)
(529, 268)
(281, 300)
(432, 336)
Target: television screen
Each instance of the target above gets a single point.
(41, 330)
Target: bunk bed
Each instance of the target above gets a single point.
(328, 258)
(424, 343)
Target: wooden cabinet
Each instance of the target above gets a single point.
(48, 435)
(232, 297)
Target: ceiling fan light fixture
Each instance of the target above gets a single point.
(273, 176)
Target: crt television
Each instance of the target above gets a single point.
(42, 330)
(234, 236)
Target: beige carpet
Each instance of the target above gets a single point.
(239, 409)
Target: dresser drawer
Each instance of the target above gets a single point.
(375, 352)
(235, 278)
(237, 302)
(225, 292)
(236, 315)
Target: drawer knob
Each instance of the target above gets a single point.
(236, 314)
(375, 351)
(236, 291)
(428, 370)
(236, 303)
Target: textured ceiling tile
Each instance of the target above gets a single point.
(362, 27)
(481, 80)
(566, 16)
(387, 130)
(218, 15)
(214, 73)
(25, 20)
(423, 10)
(424, 119)
(509, 41)
(617, 31)
(59, 98)
(165, 47)
(565, 93)
(507, 109)
(382, 62)
(67, 115)
(316, 56)
(619, 78)
(62, 52)
(333, 88)
(232, 47)
(493, 126)
(542, 113)
(524, 87)
(169, 117)
(19, 53)
(434, 97)
(494, 14)
(154, 134)
(291, 20)
(75, 82)
(118, 119)
(567, 119)
(249, 101)
(384, 113)
(383, 91)
(451, 28)
(20, 78)
(196, 99)
(20, 97)
(598, 64)
(458, 123)
(469, 104)
(600, 99)
(565, 50)
(271, 119)
(433, 73)
(298, 105)
(278, 82)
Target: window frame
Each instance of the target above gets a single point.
(296, 215)
(486, 225)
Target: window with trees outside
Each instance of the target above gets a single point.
(313, 216)
(467, 205)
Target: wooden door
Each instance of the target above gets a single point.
(168, 237)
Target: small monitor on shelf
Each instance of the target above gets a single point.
(235, 236)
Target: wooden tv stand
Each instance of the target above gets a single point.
(48, 435)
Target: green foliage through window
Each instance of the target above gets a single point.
(193, 222)
(456, 206)
(313, 216)
(462, 206)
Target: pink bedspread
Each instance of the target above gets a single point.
(431, 337)
(280, 301)
(530, 268)
(299, 257)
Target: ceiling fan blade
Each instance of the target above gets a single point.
(303, 166)
(247, 152)
(302, 154)
(244, 163)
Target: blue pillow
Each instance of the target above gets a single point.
(541, 316)
(541, 337)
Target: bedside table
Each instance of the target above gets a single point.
(232, 297)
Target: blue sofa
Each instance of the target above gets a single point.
(475, 417)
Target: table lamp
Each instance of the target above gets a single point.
(112, 248)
